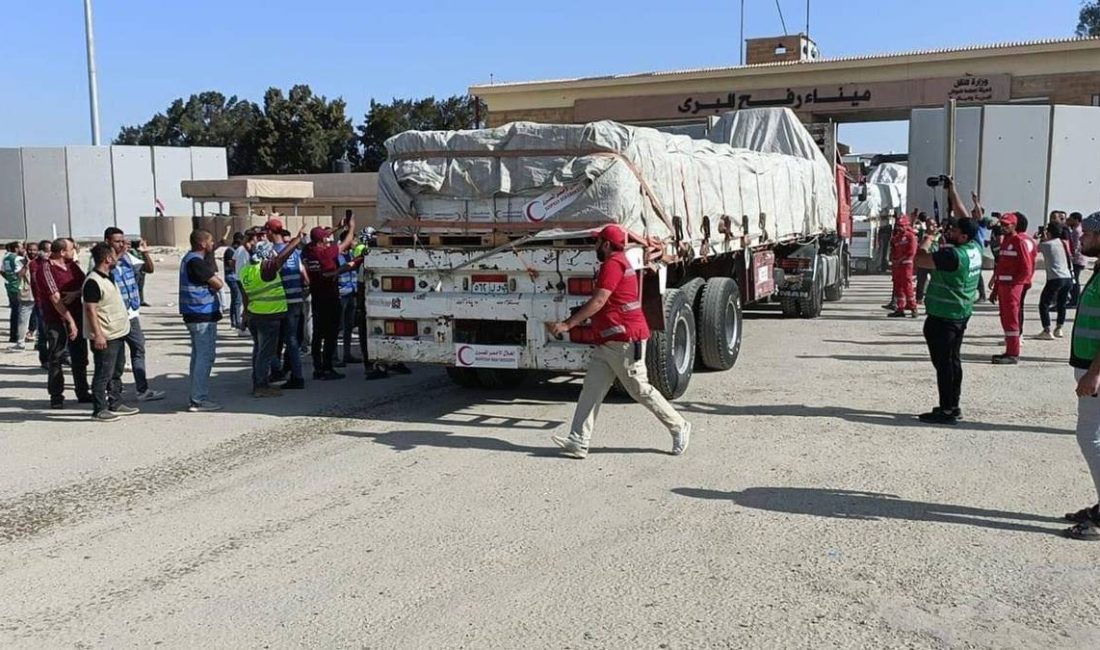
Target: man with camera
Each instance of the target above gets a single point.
(620, 331)
(1011, 277)
(953, 289)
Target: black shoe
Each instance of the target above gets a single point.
(294, 384)
(339, 363)
(376, 373)
(145, 304)
(890, 307)
(913, 314)
(896, 314)
(399, 368)
(955, 412)
(1005, 360)
(1091, 513)
(278, 375)
(938, 418)
(58, 404)
(328, 375)
(351, 358)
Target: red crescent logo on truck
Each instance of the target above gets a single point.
(530, 216)
(459, 355)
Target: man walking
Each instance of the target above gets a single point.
(10, 266)
(903, 248)
(106, 324)
(229, 263)
(1010, 275)
(322, 260)
(620, 331)
(1056, 259)
(295, 280)
(57, 290)
(1073, 224)
(955, 274)
(199, 285)
(125, 279)
(1085, 359)
(265, 310)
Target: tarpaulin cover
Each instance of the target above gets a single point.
(538, 175)
(886, 192)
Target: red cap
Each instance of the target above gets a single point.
(274, 225)
(318, 233)
(615, 235)
(1009, 218)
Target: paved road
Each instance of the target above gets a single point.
(812, 509)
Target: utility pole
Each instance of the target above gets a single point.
(93, 92)
(742, 43)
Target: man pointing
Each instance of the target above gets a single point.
(620, 331)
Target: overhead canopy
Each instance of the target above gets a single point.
(247, 189)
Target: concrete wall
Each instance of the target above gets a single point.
(13, 225)
(45, 195)
(1075, 160)
(91, 191)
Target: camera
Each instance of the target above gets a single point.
(936, 181)
(135, 244)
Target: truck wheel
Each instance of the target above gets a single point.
(811, 307)
(497, 379)
(835, 292)
(789, 305)
(691, 290)
(719, 325)
(464, 377)
(670, 354)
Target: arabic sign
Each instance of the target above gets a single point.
(822, 100)
(486, 356)
(553, 202)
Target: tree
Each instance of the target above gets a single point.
(302, 133)
(386, 120)
(1088, 21)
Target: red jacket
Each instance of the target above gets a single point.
(903, 246)
(1032, 249)
(1016, 262)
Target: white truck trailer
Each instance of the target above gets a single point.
(487, 235)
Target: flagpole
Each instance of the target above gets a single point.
(93, 92)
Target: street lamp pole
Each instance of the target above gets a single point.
(93, 92)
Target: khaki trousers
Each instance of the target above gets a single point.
(616, 360)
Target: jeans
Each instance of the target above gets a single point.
(26, 310)
(236, 301)
(612, 361)
(1056, 293)
(326, 332)
(135, 340)
(922, 283)
(265, 344)
(1088, 431)
(944, 338)
(13, 302)
(141, 284)
(57, 343)
(288, 338)
(305, 325)
(347, 322)
(40, 340)
(204, 341)
(107, 378)
(1076, 292)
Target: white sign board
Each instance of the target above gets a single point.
(486, 356)
(553, 202)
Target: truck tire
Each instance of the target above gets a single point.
(497, 378)
(464, 377)
(691, 290)
(789, 306)
(670, 354)
(811, 307)
(835, 292)
(719, 324)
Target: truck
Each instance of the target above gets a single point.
(487, 235)
(879, 200)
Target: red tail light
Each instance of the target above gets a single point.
(794, 264)
(400, 327)
(581, 286)
(398, 283)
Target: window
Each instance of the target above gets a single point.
(1096, 100)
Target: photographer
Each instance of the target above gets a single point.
(956, 272)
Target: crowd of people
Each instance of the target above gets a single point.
(281, 293)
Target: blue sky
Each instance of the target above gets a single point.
(152, 51)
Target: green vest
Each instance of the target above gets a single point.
(263, 297)
(951, 294)
(1086, 326)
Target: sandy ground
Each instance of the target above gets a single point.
(811, 510)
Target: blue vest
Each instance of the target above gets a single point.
(347, 278)
(292, 275)
(195, 299)
(126, 281)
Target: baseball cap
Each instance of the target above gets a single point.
(615, 235)
(1091, 223)
(1009, 218)
(318, 233)
(275, 226)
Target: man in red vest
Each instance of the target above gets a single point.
(1011, 275)
(620, 331)
(903, 249)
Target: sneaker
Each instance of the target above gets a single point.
(294, 384)
(122, 409)
(400, 369)
(150, 396)
(266, 391)
(938, 417)
(1084, 514)
(913, 314)
(278, 375)
(1004, 360)
(60, 404)
(205, 406)
(955, 412)
(890, 307)
(18, 347)
(1045, 335)
(1086, 531)
(376, 373)
(106, 416)
(570, 447)
(680, 440)
(329, 375)
(896, 314)
(1057, 332)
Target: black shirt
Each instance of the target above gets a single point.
(199, 271)
(945, 259)
(92, 292)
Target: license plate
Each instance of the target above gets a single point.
(489, 284)
(788, 293)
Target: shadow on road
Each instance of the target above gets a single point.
(870, 506)
(412, 439)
